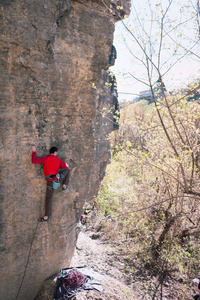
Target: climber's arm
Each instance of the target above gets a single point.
(63, 165)
(35, 160)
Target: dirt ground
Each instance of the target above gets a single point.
(93, 252)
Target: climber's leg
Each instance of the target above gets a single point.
(48, 200)
(64, 177)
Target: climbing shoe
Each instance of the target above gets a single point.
(65, 188)
(42, 219)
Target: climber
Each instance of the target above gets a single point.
(55, 171)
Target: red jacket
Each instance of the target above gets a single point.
(51, 164)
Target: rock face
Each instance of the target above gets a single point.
(54, 56)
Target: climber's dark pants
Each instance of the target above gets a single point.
(64, 179)
(48, 200)
(65, 173)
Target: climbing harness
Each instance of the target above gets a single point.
(55, 180)
(53, 177)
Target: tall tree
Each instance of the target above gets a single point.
(163, 147)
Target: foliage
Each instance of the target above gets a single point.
(154, 173)
(150, 192)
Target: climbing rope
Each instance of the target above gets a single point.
(29, 254)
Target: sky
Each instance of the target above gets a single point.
(178, 56)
